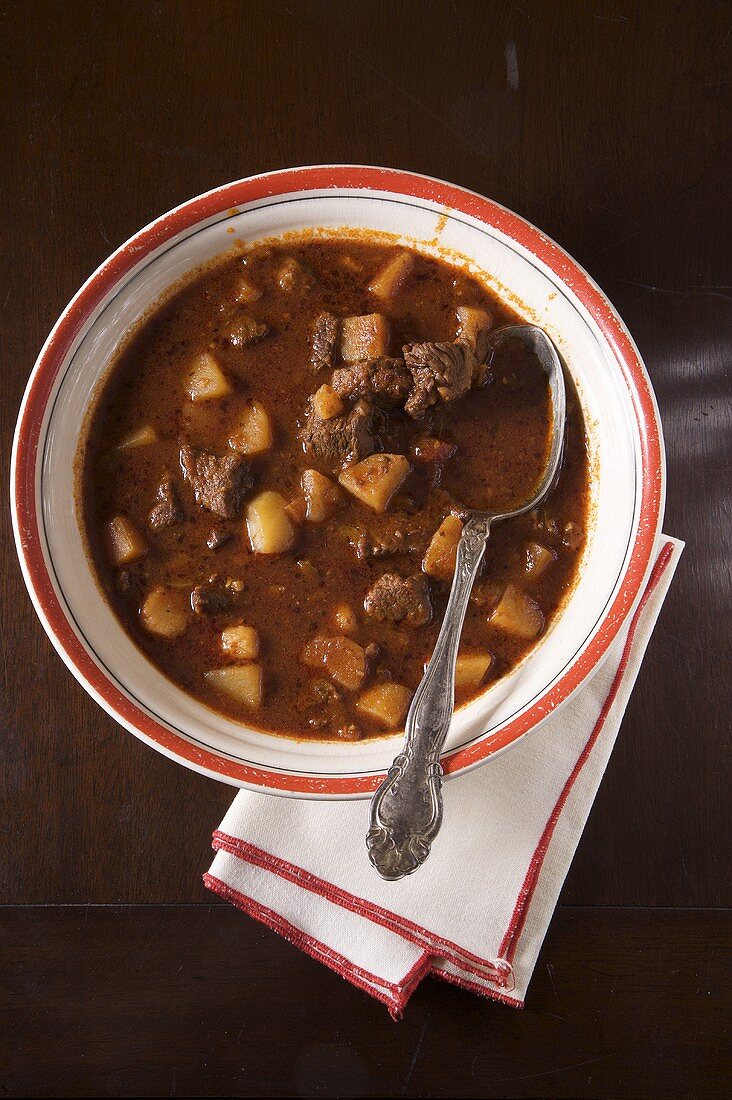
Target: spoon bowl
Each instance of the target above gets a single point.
(406, 810)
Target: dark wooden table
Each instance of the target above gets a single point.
(606, 123)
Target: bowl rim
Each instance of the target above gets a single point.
(23, 475)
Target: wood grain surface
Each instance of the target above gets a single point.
(195, 1001)
(608, 124)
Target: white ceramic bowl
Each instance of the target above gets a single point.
(516, 259)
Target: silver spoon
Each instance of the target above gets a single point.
(406, 810)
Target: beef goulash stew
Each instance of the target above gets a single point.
(273, 476)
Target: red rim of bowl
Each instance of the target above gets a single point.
(239, 193)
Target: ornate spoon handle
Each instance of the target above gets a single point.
(406, 811)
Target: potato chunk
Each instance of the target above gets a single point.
(254, 435)
(375, 479)
(322, 496)
(518, 614)
(440, 555)
(166, 612)
(294, 276)
(124, 542)
(241, 642)
(297, 510)
(386, 703)
(391, 277)
(243, 683)
(245, 292)
(140, 437)
(471, 669)
(269, 527)
(206, 380)
(365, 337)
(538, 559)
(350, 263)
(472, 324)
(327, 403)
(343, 659)
(431, 450)
(345, 619)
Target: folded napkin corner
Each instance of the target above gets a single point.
(477, 913)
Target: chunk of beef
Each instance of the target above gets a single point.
(219, 484)
(440, 372)
(123, 581)
(388, 536)
(322, 706)
(217, 537)
(394, 599)
(386, 381)
(369, 545)
(244, 330)
(323, 340)
(343, 439)
(167, 512)
(211, 599)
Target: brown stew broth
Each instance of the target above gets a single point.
(500, 429)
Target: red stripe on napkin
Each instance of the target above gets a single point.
(393, 996)
(499, 971)
(513, 932)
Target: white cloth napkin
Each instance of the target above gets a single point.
(476, 914)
